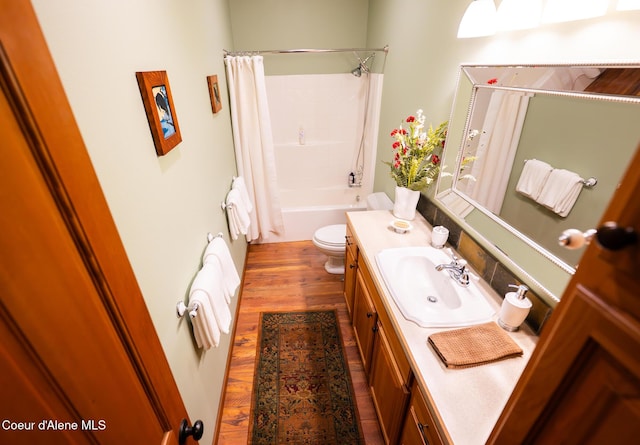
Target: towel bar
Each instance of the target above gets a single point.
(182, 308)
(589, 183)
(210, 236)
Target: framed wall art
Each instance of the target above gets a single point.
(161, 114)
(214, 93)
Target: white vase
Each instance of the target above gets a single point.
(404, 206)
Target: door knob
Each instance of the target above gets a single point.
(574, 239)
(197, 430)
(613, 237)
(610, 236)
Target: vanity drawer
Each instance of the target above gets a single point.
(419, 425)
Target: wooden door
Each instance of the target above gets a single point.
(582, 384)
(80, 361)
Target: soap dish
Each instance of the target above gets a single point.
(401, 226)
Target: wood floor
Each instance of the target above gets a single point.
(285, 277)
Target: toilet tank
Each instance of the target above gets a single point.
(379, 201)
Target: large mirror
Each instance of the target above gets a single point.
(536, 150)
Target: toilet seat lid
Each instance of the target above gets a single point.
(333, 235)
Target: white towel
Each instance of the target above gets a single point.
(241, 187)
(237, 214)
(205, 326)
(218, 251)
(533, 177)
(209, 280)
(561, 191)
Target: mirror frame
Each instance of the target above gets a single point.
(552, 273)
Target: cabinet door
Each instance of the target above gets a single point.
(419, 427)
(388, 389)
(364, 321)
(350, 267)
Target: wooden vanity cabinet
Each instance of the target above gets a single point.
(419, 426)
(386, 365)
(350, 267)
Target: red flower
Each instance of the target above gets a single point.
(403, 131)
(435, 159)
(492, 81)
(411, 119)
(394, 132)
(396, 144)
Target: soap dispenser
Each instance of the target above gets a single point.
(515, 308)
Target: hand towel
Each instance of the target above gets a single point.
(205, 326)
(237, 214)
(241, 187)
(561, 191)
(477, 345)
(217, 250)
(533, 177)
(209, 280)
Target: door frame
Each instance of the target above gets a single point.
(33, 84)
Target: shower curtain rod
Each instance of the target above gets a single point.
(300, 51)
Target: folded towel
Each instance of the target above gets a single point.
(561, 191)
(237, 214)
(218, 251)
(205, 326)
(533, 177)
(209, 280)
(477, 345)
(241, 187)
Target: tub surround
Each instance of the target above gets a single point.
(467, 401)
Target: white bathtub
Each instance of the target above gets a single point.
(305, 213)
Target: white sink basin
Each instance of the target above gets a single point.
(427, 297)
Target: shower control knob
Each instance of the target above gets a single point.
(613, 237)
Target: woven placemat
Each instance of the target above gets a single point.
(477, 345)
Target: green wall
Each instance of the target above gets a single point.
(163, 206)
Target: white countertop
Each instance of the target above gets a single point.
(469, 400)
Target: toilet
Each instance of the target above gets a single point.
(330, 240)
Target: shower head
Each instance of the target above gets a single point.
(362, 65)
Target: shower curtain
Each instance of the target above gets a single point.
(253, 142)
(497, 149)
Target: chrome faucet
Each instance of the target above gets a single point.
(457, 270)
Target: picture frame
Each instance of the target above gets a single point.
(214, 93)
(161, 113)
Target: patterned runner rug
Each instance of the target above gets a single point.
(302, 392)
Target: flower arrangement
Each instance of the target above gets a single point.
(416, 160)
